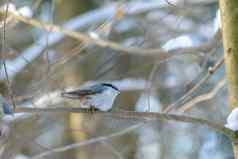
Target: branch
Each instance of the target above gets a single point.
(211, 71)
(87, 39)
(87, 142)
(162, 54)
(204, 97)
(137, 116)
(17, 65)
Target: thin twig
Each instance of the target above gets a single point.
(207, 47)
(184, 98)
(204, 97)
(112, 149)
(88, 142)
(60, 62)
(9, 87)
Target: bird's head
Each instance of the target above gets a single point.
(110, 89)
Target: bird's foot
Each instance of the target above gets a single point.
(92, 110)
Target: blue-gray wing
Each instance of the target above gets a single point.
(83, 92)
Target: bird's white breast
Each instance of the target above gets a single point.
(102, 101)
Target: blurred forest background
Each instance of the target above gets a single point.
(164, 56)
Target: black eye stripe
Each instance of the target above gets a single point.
(110, 85)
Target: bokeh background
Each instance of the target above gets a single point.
(41, 62)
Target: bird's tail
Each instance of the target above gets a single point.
(69, 95)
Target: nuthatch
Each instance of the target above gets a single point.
(99, 96)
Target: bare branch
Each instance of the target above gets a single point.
(2, 59)
(112, 149)
(99, 42)
(17, 65)
(185, 97)
(204, 97)
(137, 116)
(87, 142)
(140, 116)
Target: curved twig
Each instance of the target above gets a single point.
(186, 96)
(206, 96)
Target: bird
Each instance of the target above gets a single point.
(99, 96)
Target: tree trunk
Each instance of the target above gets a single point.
(229, 16)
